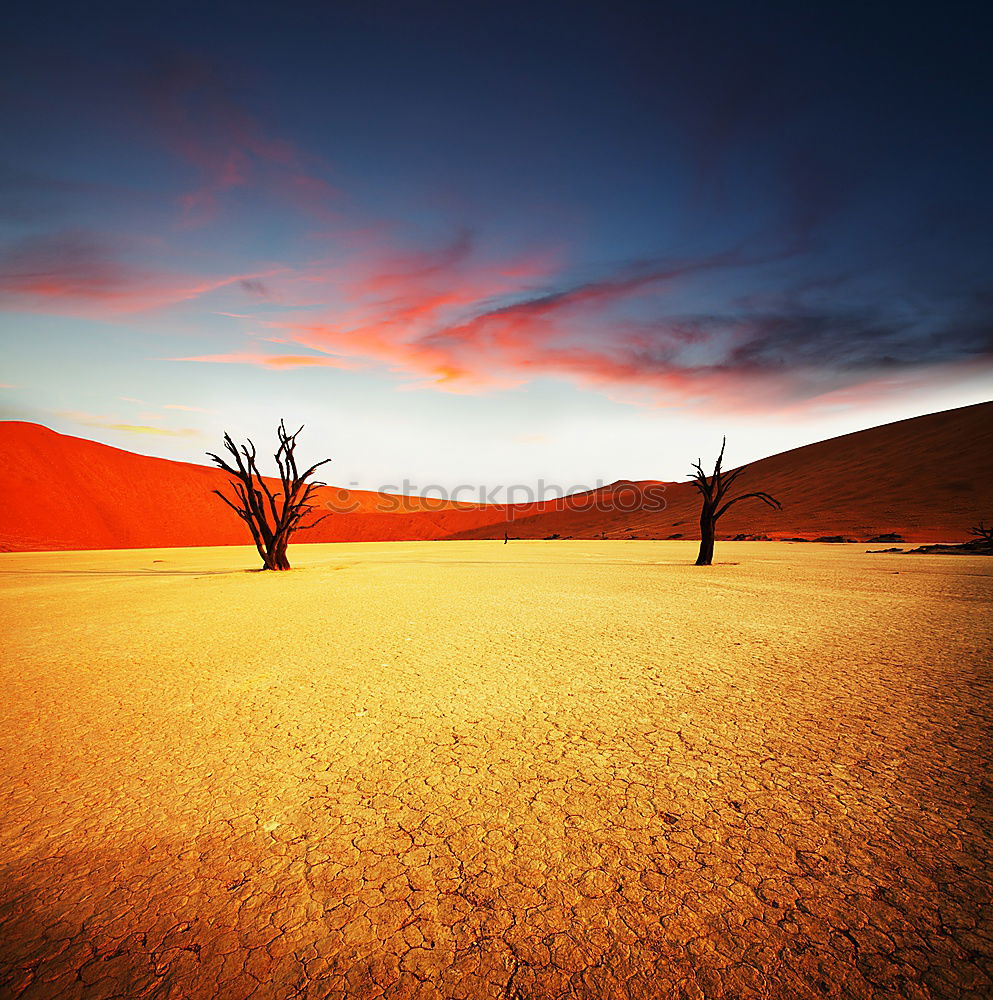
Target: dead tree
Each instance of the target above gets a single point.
(983, 536)
(272, 515)
(714, 490)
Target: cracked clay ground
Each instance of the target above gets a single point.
(464, 769)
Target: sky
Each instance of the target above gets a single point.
(494, 243)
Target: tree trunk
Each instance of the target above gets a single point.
(276, 557)
(708, 531)
(713, 490)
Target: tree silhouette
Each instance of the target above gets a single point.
(271, 515)
(714, 489)
(984, 535)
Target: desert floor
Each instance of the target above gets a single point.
(465, 769)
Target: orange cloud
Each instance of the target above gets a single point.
(276, 361)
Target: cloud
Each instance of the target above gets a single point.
(254, 287)
(458, 317)
(388, 300)
(147, 429)
(80, 272)
(407, 317)
(276, 361)
(199, 119)
(854, 340)
(110, 424)
(535, 320)
(72, 264)
(451, 320)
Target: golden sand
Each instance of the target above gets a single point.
(465, 769)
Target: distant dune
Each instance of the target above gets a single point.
(926, 479)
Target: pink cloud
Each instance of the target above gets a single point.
(449, 319)
(79, 273)
(200, 121)
(437, 318)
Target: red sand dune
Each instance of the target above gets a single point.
(63, 492)
(928, 479)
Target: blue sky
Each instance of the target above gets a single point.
(493, 243)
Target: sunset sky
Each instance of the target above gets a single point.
(492, 242)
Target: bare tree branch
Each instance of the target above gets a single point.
(271, 515)
(713, 489)
(768, 500)
(983, 534)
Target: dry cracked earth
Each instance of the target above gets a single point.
(466, 770)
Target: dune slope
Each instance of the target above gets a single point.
(63, 492)
(927, 479)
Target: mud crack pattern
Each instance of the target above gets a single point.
(465, 770)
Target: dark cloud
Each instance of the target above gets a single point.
(840, 345)
(254, 287)
(590, 296)
(847, 342)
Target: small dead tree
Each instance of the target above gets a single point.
(983, 536)
(271, 515)
(714, 490)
